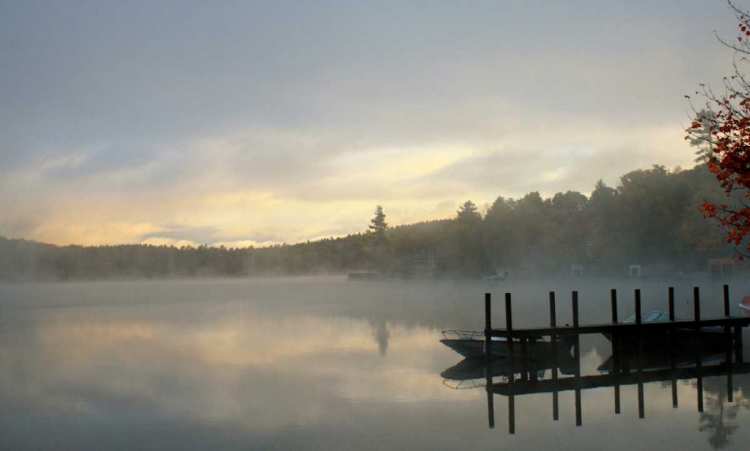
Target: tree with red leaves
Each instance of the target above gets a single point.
(723, 126)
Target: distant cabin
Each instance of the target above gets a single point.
(726, 268)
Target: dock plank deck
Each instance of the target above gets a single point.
(611, 328)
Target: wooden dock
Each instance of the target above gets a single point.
(620, 334)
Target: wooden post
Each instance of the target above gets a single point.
(638, 318)
(726, 300)
(698, 357)
(672, 362)
(511, 371)
(553, 339)
(487, 311)
(533, 360)
(577, 351)
(552, 310)
(509, 327)
(616, 365)
(639, 355)
(488, 356)
(671, 303)
(613, 300)
(616, 369)
(615, 350)
(728, 345)
(697, 306)
(488, 326)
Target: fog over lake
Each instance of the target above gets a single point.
(317, 363)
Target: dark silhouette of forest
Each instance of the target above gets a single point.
(651, 218)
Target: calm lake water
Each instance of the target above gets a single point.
(319, 363)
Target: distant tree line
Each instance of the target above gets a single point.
(652, 217)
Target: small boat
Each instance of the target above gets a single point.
(471, 344)
(745, 305)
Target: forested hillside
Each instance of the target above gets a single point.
(652, 217)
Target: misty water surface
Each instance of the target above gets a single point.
(314, 363)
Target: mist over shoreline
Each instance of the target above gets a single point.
(652, 219)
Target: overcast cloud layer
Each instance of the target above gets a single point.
(245, 123)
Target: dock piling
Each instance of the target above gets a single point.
(615, 350)
(488, 326)
(620, 334)
(639, 354)
(488, 357)
(672, 362)
(511, 370)
(577, 352)
(698, 356)
(613, 301)
(638, 318)
(726, 300)
(671, 303)
(553, 339)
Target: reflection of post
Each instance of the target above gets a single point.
(511, 371)
(511, 412)
(380, 330)
(488, 359)
(730, 385)
(639, 354)
(490, 397)
(553, 339)
(697, 350)
(738, 357)
(615, 352)
(577, 351)
(672, 362)
(641, 407)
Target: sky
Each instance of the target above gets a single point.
(244, 123)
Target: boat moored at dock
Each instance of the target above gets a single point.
(472, 344)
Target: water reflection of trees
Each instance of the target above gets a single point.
(381, 334)
(719, 417)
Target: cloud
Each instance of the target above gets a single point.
(307, 116)
(182, 233)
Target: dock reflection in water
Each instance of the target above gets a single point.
(643, 351)
(719, 394)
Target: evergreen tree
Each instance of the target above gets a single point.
(468, 212)
(378, 224)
